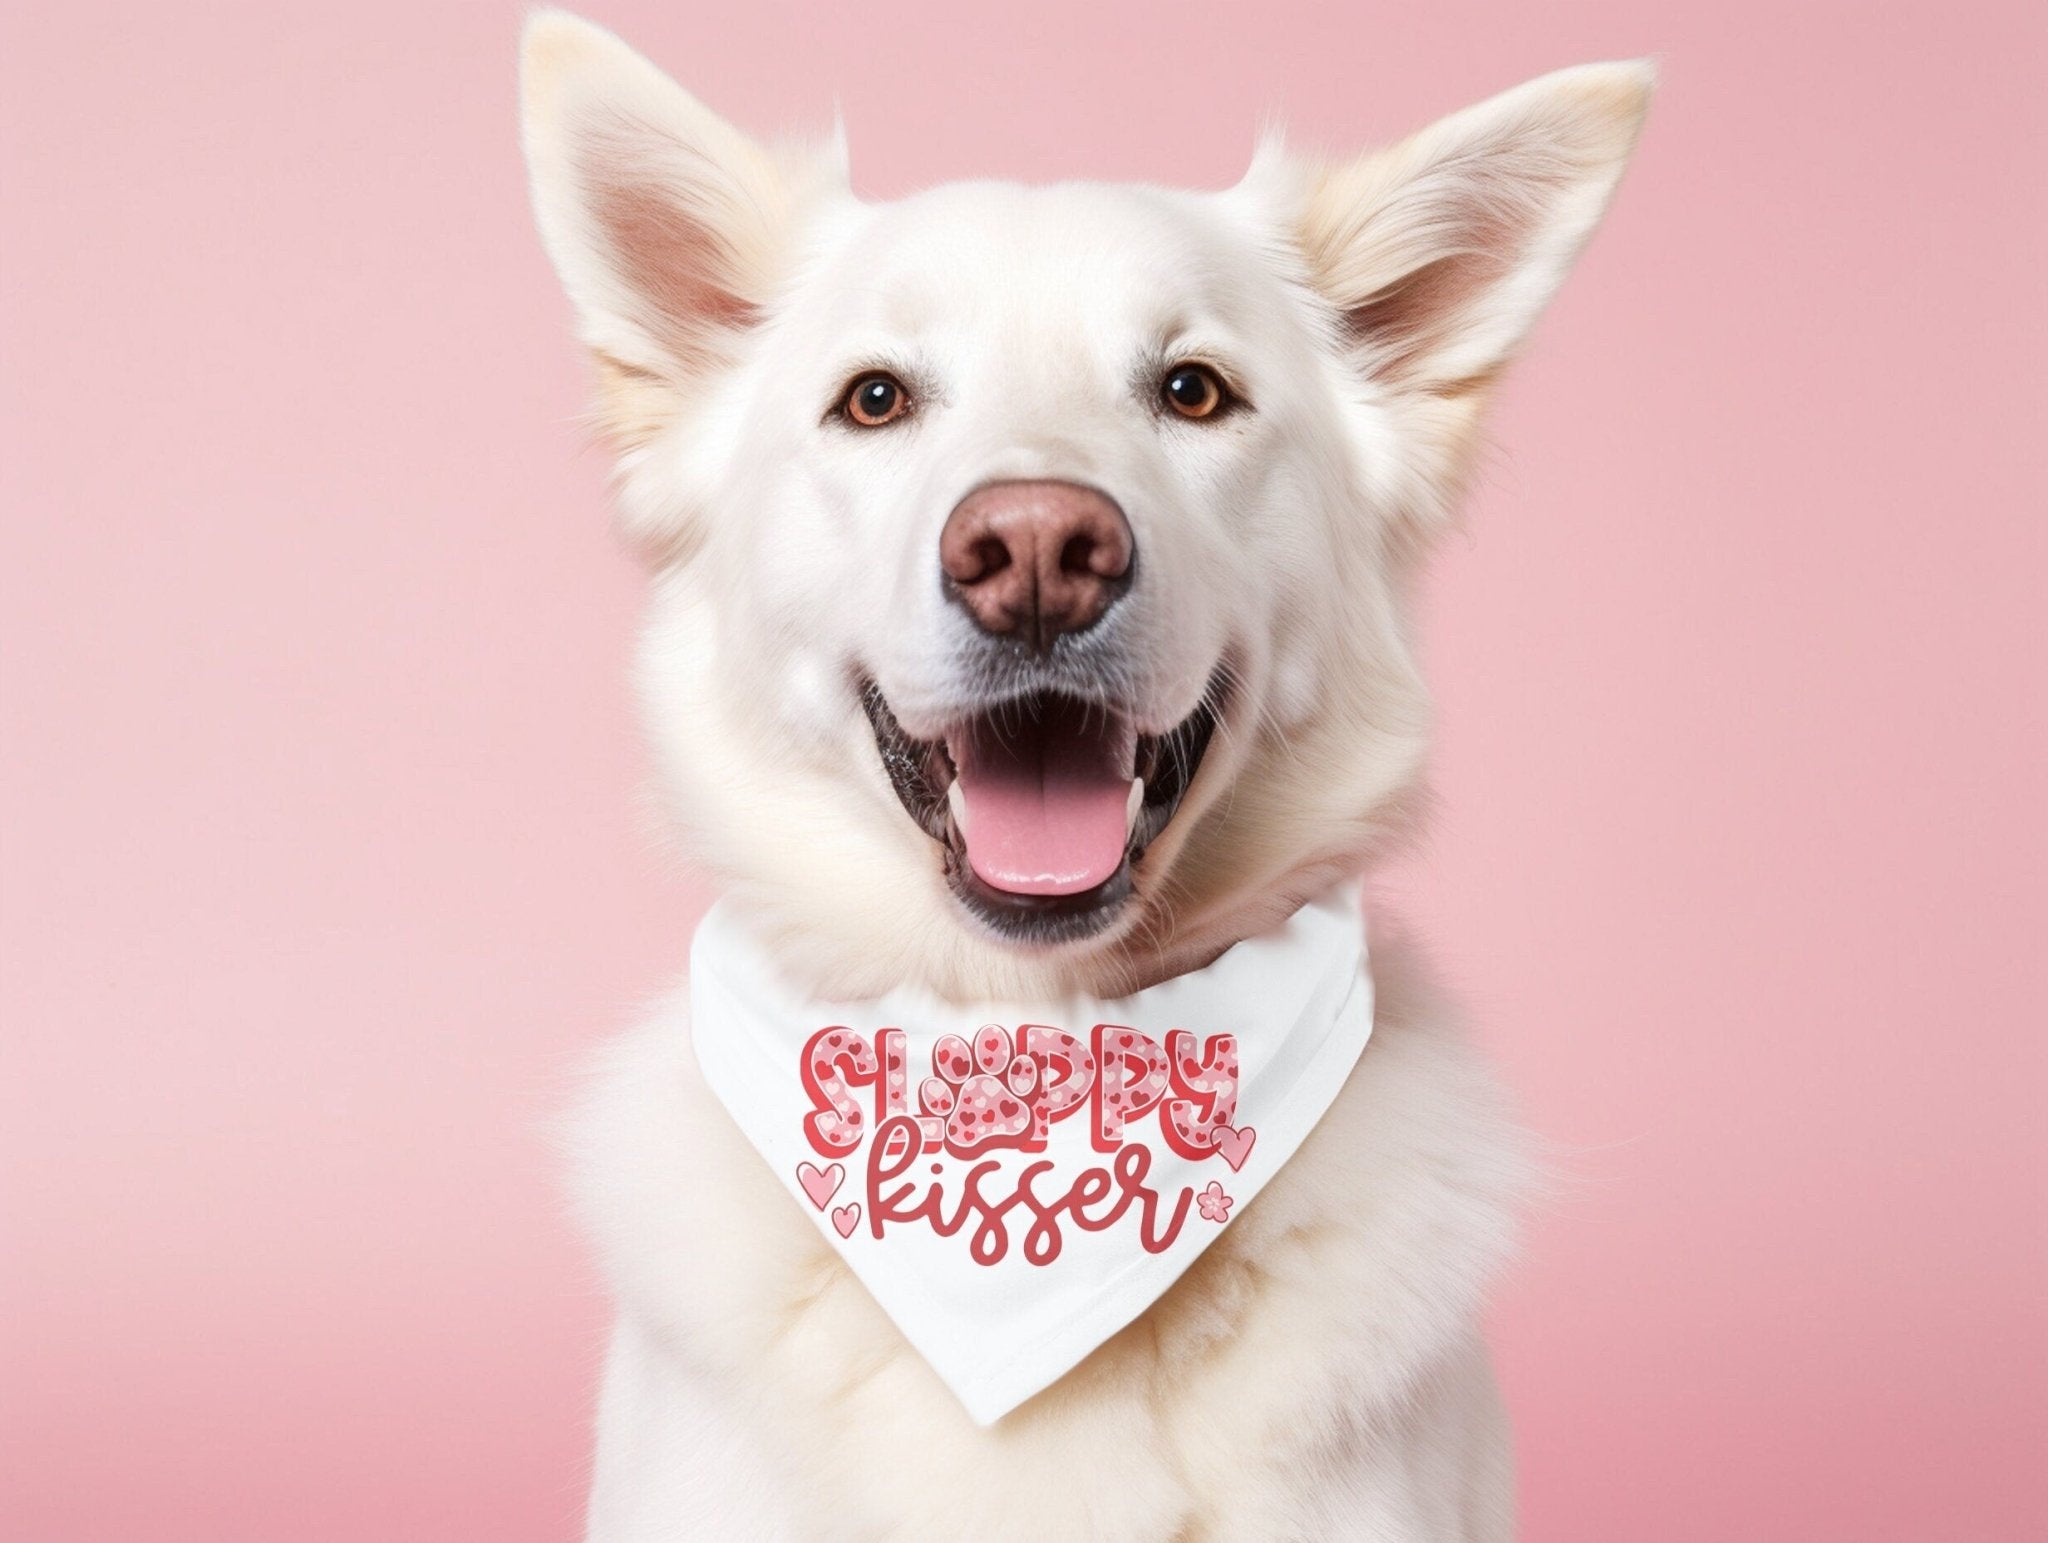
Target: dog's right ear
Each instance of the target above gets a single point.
(667, 225)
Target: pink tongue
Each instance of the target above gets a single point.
(1045, 809)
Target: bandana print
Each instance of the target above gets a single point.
(1015, 1182)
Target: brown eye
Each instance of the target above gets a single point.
(876, 399)
(1192, 390)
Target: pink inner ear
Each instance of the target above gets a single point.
(675, 263)
(1440, 252)
(1484, 238)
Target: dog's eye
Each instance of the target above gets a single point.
(874, 400)
(1193, 390)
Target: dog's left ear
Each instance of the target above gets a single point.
(1440, 253)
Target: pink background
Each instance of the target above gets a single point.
(324, 865)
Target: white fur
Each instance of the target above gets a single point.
(1318, 1373)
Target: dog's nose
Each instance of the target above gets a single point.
(1035, 560)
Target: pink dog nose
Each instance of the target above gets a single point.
(1033, 560)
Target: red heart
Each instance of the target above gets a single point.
(1235, 1145)
(821, 1184)
(846, 1218)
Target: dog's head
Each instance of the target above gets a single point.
(1029, 562)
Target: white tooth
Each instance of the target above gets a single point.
(956, 800)
(1132, 806)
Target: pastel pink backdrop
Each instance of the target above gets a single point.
(324, 866)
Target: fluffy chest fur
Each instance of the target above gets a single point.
(1315, 1374)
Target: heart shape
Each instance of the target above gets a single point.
(821, 1184)
(1235, 1145)
(846, 1217)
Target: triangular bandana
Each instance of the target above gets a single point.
(1015, 1182)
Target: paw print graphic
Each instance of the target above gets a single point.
(983, 1093)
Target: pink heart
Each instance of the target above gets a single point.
(1235, 1145)
(821, 1184)
(846, 1217)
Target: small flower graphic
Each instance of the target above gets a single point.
(1214, 1204)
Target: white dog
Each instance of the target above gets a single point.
(1136, 480)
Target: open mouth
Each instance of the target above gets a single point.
(1043, 805)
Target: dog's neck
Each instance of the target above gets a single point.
(1192, 936)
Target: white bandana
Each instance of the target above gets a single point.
(1063, 1161)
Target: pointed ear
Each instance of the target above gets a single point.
(667, 225)
(1440, 253)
